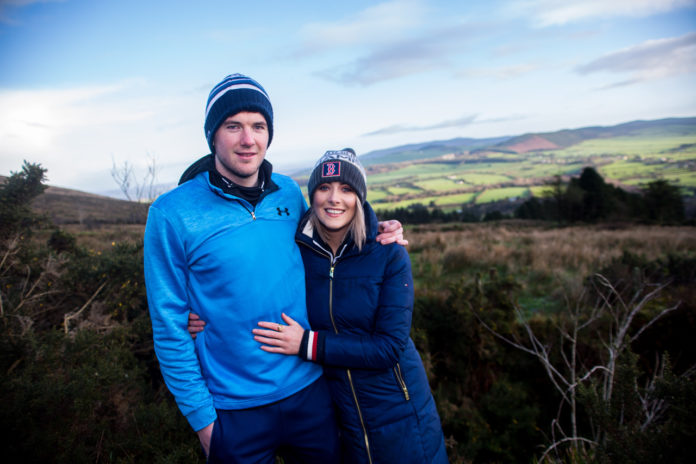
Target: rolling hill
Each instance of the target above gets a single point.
(66, 206)
(467, 172)
(456, 173)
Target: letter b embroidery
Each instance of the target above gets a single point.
(331, 169)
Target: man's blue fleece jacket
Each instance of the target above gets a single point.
(234, 265)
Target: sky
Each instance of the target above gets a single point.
(86, 84)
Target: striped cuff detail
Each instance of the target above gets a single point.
(310, 346)
(311, 353)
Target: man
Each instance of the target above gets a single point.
(221, 245)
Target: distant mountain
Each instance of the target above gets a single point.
(529, 142)
(426, 150)
(566, 138)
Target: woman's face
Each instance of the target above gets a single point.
(334, 205)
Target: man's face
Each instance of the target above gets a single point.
(240, 146)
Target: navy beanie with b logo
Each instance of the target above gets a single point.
(339, 166)
(236, 93)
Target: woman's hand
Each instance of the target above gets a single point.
(195, 324)
(279, 338)
(391, 231)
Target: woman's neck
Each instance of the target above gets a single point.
(335, 238)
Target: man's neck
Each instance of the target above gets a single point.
(246, 182)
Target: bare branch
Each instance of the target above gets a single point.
(68, 317)
(662, 313)
(555, 444)
(136, 189)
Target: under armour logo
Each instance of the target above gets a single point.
(331, 169)
(281, 211)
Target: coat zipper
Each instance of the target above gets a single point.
(350, 377)
(400, 380)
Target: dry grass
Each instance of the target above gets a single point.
(105, 236)
(521, 248)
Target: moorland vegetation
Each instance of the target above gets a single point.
(543, 342)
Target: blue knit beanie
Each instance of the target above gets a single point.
(236, 93)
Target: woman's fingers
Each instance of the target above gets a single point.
(268, 333)
(268, 341)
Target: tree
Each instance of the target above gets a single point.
(16, 196)
(134, 189)
(596, 200)
(663, 202)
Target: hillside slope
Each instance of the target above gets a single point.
(66, 206)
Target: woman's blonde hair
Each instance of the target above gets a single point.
(356, 228)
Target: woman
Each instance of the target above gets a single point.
(360, 302)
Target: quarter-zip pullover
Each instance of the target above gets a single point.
(234, 264)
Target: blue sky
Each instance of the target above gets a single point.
(87, 82)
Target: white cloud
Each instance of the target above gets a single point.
(32, 119)
(430, 50)
(652, 59)
(378, 23)
(75, 133)
(559, 12)
(396, 129)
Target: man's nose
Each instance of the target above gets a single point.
(247, 136)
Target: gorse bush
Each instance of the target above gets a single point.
(497, 403)
(16, 195)
(79, 381)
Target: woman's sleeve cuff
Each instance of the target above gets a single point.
(311, 346)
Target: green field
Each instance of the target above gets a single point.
(490, 195)
(459, 199)
(402, 190)
(443, 184)
(488, 177)
(629, 157)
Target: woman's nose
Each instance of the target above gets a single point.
(333, 196)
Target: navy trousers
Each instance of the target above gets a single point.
(301, 428)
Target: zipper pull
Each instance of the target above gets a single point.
(331, 272)
(253, 215)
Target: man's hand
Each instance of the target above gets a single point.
(204, 436)
(195, 324)
(279, 338)
(391, 231)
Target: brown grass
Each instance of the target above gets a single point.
(523, 248)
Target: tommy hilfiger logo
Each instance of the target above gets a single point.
(283, 211)
(331, 169)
